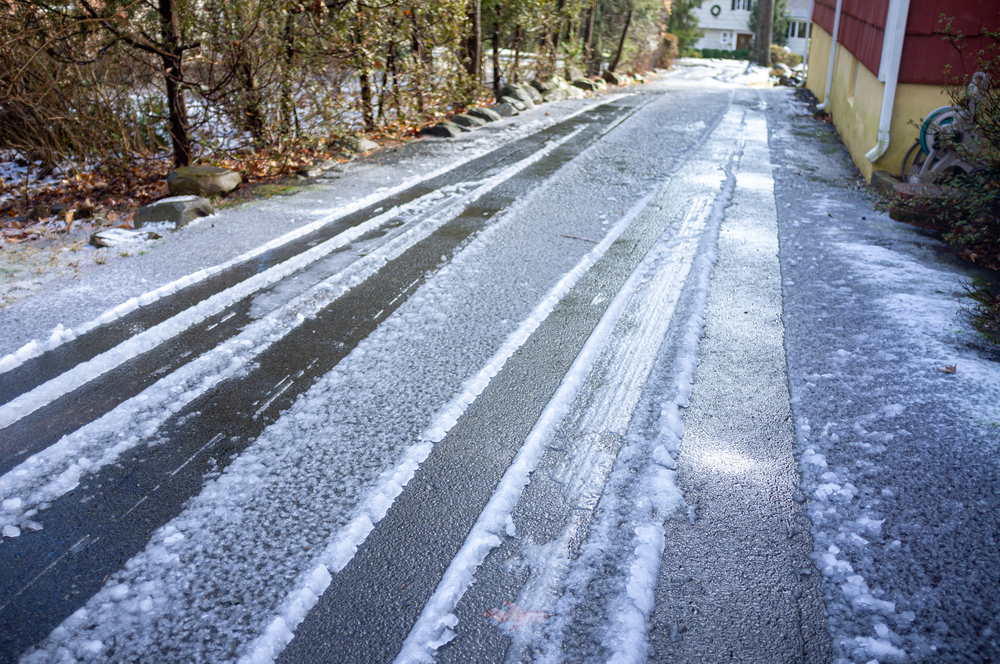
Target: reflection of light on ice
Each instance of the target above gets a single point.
(731, 463)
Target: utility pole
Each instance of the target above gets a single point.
(762, 40)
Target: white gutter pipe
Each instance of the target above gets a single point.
(833, 53)
(895, 35)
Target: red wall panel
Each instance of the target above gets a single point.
(926, 51)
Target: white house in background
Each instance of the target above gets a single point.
(800, 28)
(726, 24)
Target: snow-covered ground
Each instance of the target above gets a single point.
(566, 560)
(899, 458)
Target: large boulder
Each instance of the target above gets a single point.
(505, 110)
(517, 92)
(556, 94)
(443, 129)
(518, 104)
(484, 113)
(534, 94)
(122, 237)
(202, 181)
(573, 72)
(573, 92)
(615, 79)
(356, 144)
(468, 121)
(585, 84)
(179, 211)
(547, 85)
(601, 83)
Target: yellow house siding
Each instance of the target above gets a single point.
(856, 116)
(819, 61)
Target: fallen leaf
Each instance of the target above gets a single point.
(949, 369)
(516, 616)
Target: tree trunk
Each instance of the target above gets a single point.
(474, 43)
(621, 42)
(172, 57)
(560, 26)
(496, 57)
(517, 53)
(762, 40)
(362, 62)
(253, 117)
(588, 35)
(286, 102)
(367, 113)
(417, 44)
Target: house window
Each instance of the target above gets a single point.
(798, 29)
(724, 37)
(742, 4)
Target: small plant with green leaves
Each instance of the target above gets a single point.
(966, 199)
(985, 313)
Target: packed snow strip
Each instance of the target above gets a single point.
(655, 494)
(641, 490)
(45, 476)
(49, 474)
(67, 382)
(289, 460)
(60, 334)
(625, 367)
(281, 630)
(434, 626)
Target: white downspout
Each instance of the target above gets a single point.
(833, 53)
(892, 40)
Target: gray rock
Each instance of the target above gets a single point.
(468, 121)
(318, 168)
(180, 211)
(556, 94)
(614, 79)
(585, 84)
(534, 94)
(121, 237)
(517, 92)
(573, 72)
(513, 101)
(40, 211)
(574, 93)
(544, 86)
(485, 113)
(601, 84)
(202, 181)
(442, 130)
(356, 144)
(505, 110)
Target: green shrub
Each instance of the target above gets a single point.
(667, 52)
(779, 54)
(735, 54)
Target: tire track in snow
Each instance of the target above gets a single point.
(120, 501)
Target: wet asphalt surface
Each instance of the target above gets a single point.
(738, 580)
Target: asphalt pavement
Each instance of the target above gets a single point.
(636, 378)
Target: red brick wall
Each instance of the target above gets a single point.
(925, 52)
